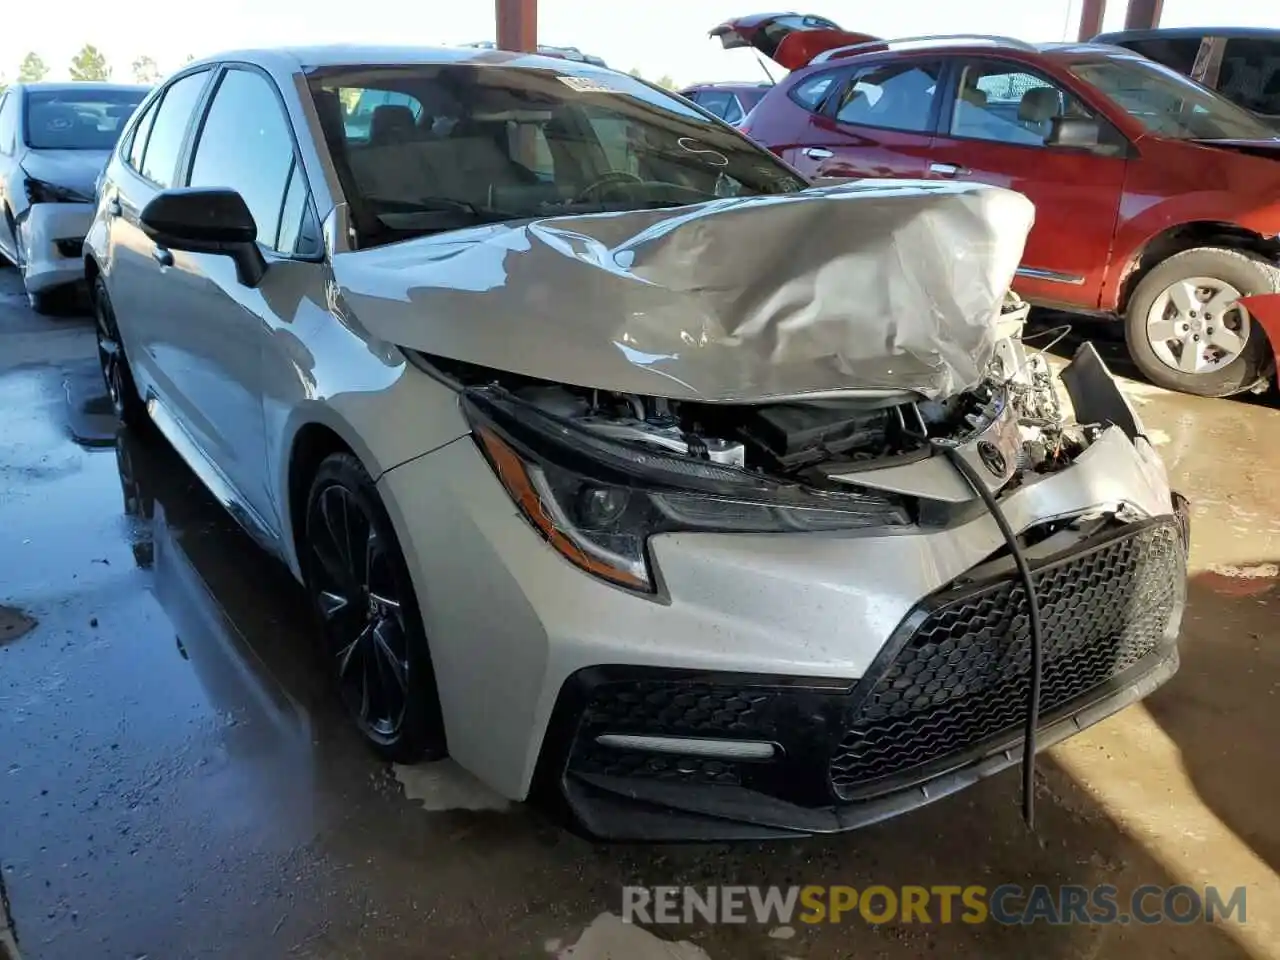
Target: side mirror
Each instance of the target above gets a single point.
(207, 220)
(1074, 132)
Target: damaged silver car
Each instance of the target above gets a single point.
(621, 463)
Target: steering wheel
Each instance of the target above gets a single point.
(613, 176)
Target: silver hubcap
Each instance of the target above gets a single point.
(1196, 326)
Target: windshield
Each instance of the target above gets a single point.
(1169, 104)
(84, 119)
(432, 147)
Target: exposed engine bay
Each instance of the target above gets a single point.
(1011, 424)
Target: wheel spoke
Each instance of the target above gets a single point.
(1190, 361)
(1162, 331)
(1183, 296)
(333, 507)
(347, 653)
(1227, 340)
(385, 602)
(399, 670)
(332, 604)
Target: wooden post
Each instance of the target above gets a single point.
(1143, 14)
(517, 25)
(1091, 19)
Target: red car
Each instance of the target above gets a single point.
(1157, 201)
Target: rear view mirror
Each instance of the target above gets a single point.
(1076, 132)
(207, 220)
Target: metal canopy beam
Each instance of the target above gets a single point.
(517, 25)
(1143, 14)
(1091, 14)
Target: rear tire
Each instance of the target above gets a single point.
(117, 377)
(1183, 330)
(376, 646)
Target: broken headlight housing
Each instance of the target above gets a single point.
(40, 191)
(597, 500)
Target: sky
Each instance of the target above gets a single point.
(658, 37)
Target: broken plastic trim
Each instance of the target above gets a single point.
(597, 500)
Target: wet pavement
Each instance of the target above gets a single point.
(176, 781)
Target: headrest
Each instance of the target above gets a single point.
(1038, 104)
(391, 121)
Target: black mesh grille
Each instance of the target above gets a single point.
(962, 676)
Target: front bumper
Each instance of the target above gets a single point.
(940, 708)
(51, 239)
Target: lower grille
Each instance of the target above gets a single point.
(961, 677)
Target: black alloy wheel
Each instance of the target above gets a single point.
(359, 585)
(116, 375)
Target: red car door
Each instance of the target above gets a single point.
(876, 122)
(1011, 126)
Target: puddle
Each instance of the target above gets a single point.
(13, 624)
(609, 938)
(443, 785)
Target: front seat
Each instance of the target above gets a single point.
(1037, 108)
(392, 123)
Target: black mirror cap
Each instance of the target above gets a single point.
(1077, 132)
(199, 219)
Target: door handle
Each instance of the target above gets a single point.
(818, 153)
(947, 169)
(113, 207)
(162, 256)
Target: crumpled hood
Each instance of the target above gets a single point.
(75, 169)
(874, 285)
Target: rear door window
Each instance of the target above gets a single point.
(894, 95)
(169, 130)
(1250, 74)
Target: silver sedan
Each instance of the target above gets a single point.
(618, 460)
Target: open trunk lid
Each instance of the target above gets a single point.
(791, 40)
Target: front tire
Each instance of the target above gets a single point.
(360, 587)
(1185, 330)
(116, 373)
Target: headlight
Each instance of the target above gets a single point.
(39, 191)
(598, 500)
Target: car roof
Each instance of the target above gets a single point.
(729, 85)
(308, 58)
(71, 86)
(1162, 33)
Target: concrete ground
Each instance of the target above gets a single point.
(175, 780)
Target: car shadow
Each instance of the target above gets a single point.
(1222, 709)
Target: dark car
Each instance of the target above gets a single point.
(731, 102)
(1157, 200)
(1242, 64)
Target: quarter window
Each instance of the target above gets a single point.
(897, 95)
(1007, 105)
(715, 101)
(160, 156)
(812, 92)
(138, 139)
(246, 144)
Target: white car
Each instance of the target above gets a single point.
(618, 461)
(54, 141)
